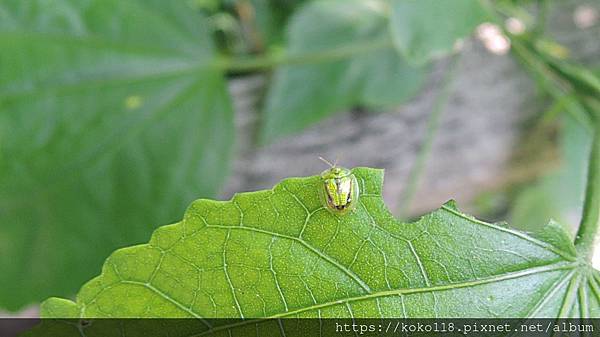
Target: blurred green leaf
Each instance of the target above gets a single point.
(348, 60)
(270, 16)
(426, 29)
(112, 119)
(558, 195)
(280, 253)
(583, 79)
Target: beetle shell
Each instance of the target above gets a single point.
(340, 190)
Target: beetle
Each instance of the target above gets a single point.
(340, 189)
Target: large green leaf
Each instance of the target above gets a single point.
(426, 29)
(111, 119)
(280, 253)
(343, 57)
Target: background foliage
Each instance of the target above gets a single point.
(114, 115)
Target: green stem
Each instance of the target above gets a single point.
(556, 87)
(590, 221)
(432, 127)
(551, 82)
(271, 60)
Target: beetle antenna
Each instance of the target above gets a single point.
(327, 162)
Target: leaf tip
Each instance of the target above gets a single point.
(451, 204)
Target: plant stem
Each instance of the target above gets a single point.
(432, 127)
(271, 60)
(551, 82)
(590, 221)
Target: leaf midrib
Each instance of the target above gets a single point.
(550, 293)
(92, 40)
(406, 291)
(355, 277)
(545, 268)
(177, 67)
(103, 150)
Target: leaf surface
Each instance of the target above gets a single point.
(344, 57)
(279, 253)
(112, 118)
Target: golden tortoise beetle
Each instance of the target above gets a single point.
(340, 188)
